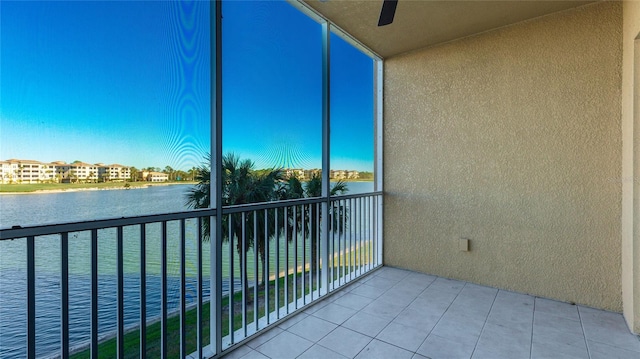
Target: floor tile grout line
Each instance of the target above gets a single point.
(341, 324)
(317, 342)
(533, 320)
(603, 342)
(485, 323)
(331, 349)
(394, 345)
(358, 311)
(364, 347)
(584, 334)
(391, 321)
(291, 334)
(407, 306)
(443, 313)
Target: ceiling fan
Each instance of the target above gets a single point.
(388, 12)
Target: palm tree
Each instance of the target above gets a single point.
(313, 188)
(169, 170)
(73, 175)
(20, 171)
(241, 184)
(192, 173)
(134, 174)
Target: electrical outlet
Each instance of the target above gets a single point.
(463, 244)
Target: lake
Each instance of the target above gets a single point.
(49, 208)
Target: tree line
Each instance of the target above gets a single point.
(173, 174)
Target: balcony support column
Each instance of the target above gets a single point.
(631, 165)
(326, 152)
(631, 274)
(378, 77)
(215, 239)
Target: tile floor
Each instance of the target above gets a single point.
(395, 313)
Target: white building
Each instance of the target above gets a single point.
(114, 172)
(30, 171)
(154, 176)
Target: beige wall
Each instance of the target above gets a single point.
(511, 138)
(631, 160)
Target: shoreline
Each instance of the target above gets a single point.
(132, 185)
(83, 189)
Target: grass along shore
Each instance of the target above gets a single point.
(27, 188)
(108, 348)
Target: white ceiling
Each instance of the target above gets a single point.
(422, 23)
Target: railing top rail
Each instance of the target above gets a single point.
(356, 195)
(290, 202)
(269, 205)
(42, 230)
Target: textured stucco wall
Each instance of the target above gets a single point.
(512, 139)
(631, 164)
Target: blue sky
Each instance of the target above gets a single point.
(128, 82)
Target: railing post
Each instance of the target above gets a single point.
(163, 291)
(31, 298)
(255, 269)
(380, 230)
(64, 295)
(277, 271)
(295, 257)
(183, 292)
(231, 285)
(198, 290)
(319, 245)
(94, 294)
(267, 265)
(304, 252)
(120, 293)
(286, 261)
(143, 290)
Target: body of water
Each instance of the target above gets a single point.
(50, 208)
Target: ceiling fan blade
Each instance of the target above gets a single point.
(388, 12)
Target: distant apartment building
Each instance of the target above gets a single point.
(7, 173)
(314, 172)
(154, 176)
(114, 172)
(303, 174)
(22, 171)
(30, 171)
(299, 173)
(338, 174)
(79, 172)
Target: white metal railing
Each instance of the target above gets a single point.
(276, 259)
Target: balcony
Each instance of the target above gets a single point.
(511, 124)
